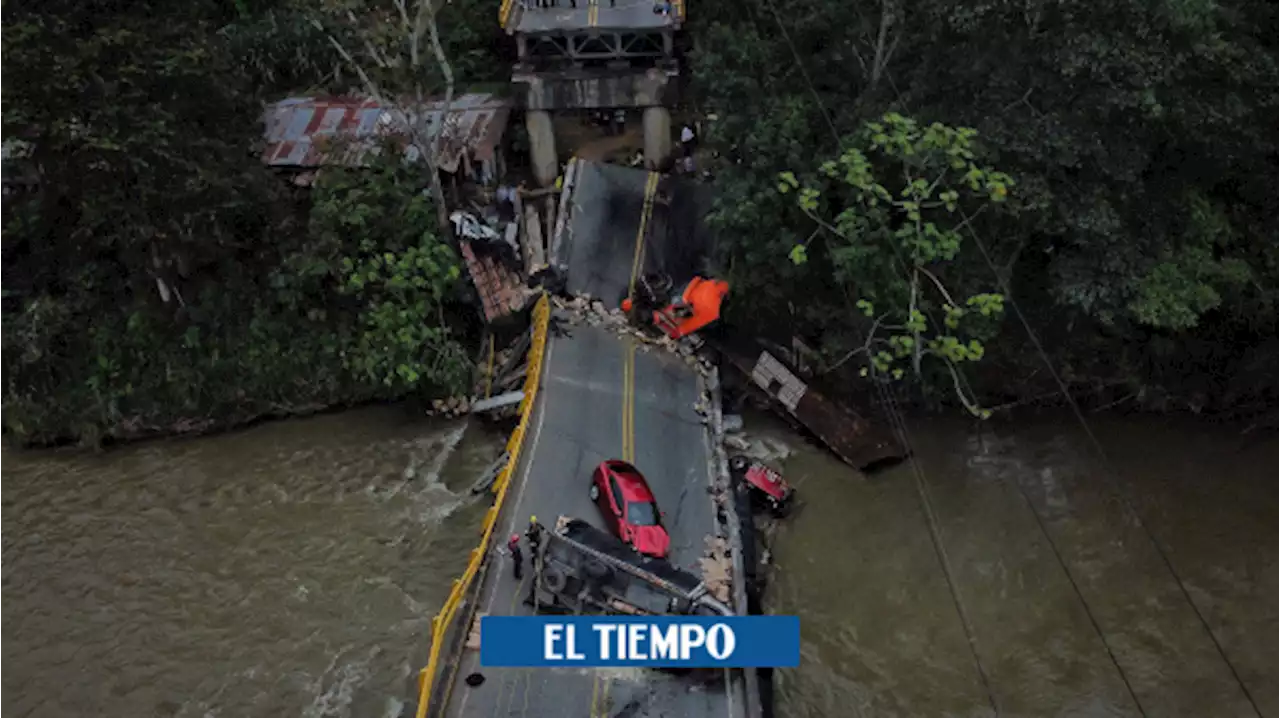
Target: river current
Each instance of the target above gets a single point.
(292, 569)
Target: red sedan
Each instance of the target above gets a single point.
(628, 507)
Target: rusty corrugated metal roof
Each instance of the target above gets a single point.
(316, 131)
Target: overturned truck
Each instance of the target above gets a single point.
(581, 569)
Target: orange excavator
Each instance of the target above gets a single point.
(677, 316)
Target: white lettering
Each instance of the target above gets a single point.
(622, 643)
(636, 635)
(604, 630)
(721, 641)
(691, 636)
(550, 636)
(571, 651)
(662, 643)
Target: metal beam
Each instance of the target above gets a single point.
(595, 45)
(497, 402)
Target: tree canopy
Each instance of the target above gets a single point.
(159, 277)
(1140, 234)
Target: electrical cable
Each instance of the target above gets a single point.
(935, 535)
(1110, 471)
(900, 429)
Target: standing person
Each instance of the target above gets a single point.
(688, 140)
(534, 536)
(517, 558)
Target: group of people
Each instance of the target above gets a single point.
(544, 4)
(533, 535)
(663, 7)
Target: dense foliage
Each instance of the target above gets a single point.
(157, 277)
(1139, 237)
(889, 214)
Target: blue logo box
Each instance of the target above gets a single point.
(640, 641)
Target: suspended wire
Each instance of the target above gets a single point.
(935, 535)
(1111, 473)
(1066, 570)
(805, 74)
(900, 429)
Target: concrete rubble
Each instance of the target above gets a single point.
(451, 407)
(473, 636)
(717, 568)
(766, 449)
(594, 313)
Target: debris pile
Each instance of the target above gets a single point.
(451, 407)
(717, 568)
(593, 312)
(765, 449)
(473, 636)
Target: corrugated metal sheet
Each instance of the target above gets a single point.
(845, 431)
(317, 131)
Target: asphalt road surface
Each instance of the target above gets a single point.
(620, 15)
(602, 397)
(607, 202)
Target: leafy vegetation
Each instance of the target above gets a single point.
(159, 278)
(1139, 238)
(156, 277)
(886, 247)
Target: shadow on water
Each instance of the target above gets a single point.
(288, 569)
(881, 634)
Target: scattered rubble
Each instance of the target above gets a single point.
(593, 312)
(473, 636)
(732, 424)
(765, 449)
(717, 568)
(451, 407)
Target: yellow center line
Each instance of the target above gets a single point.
(595, 694)
(593, 13)
(650, 188)
(628, 400)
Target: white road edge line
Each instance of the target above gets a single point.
(524, 477)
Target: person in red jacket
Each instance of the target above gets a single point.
(517, 558)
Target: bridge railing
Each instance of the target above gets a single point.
(444, 620)
(505, 11)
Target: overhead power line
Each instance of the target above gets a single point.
(900, 428)
(1110, 471)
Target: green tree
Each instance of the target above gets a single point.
(1142, 244)
(890, 212)
(374, 236)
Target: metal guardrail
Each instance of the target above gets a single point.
(443, 620)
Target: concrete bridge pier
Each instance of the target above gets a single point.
(657, 135)
(542, 146)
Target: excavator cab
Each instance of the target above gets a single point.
(698, 305)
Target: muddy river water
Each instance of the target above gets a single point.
(292, 569)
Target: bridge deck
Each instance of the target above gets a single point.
(594, 14)
(602, 397)
(590, 380)
(598, 251)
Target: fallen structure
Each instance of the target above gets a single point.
(582, 569)
(848, 434)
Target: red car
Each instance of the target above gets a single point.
(628, 507)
